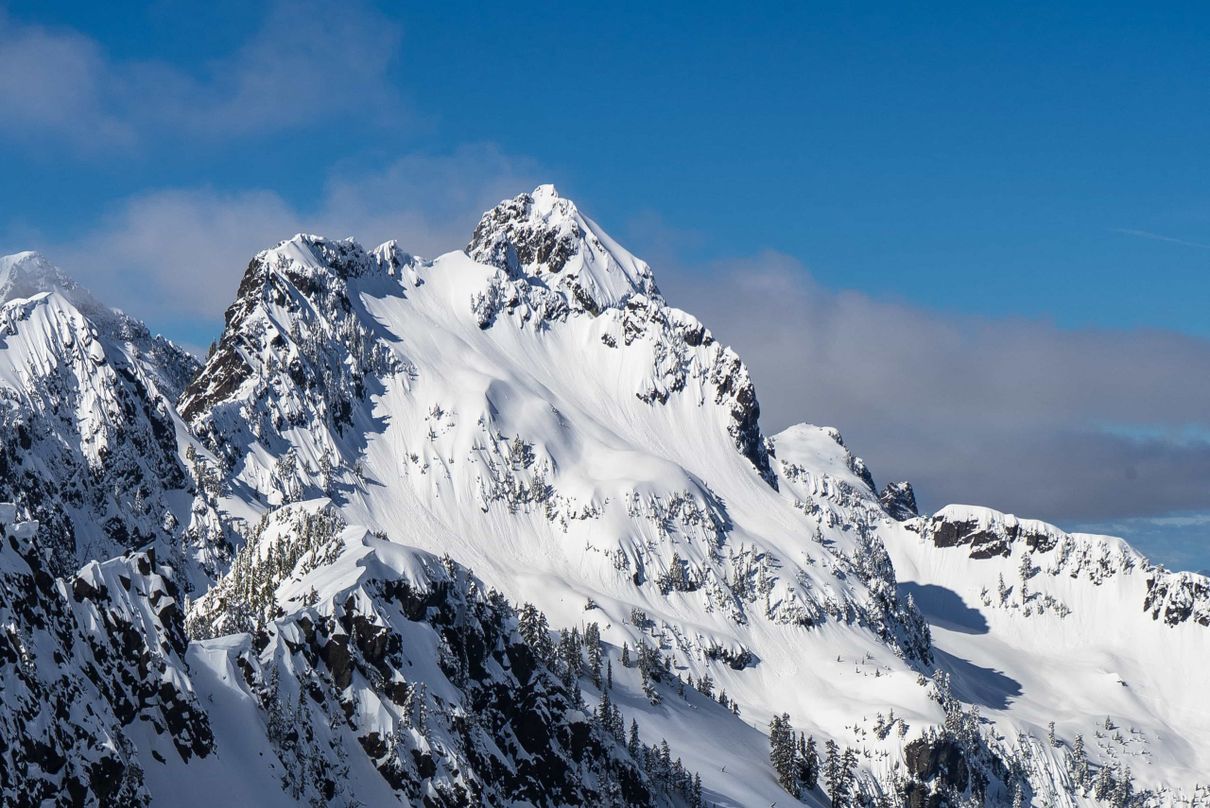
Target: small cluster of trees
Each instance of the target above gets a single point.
(666, 774)
(800, 768)
(1114, 786)
(574, 655)
(677, 577)
(245, 599)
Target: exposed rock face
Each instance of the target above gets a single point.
(298, 354)
(939, 774)
(544, 241)
(489, 723)
(988, 533)
(89, 663)
(899, 500)
(465, 712)
(1178, 597)
(942, 759)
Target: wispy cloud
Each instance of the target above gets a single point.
(997, 411)
(180, 252)
(310, 61)
(1159, 237)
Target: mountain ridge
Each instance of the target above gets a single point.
(532, 409)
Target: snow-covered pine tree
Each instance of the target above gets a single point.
(592, 640)
(1078, 763)
(848, 766)
(834, 774)
(705, 685)
(782, 753)
(809, 761)
(535, 631)
(648, 685)
(1102, 787)
(1123, 791)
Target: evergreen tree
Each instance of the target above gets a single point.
(1123, 791)
(649, 689)
(810, 764)
(569, 660)
(833, 774)
(605, 711)
(848, 766)
(649, 672)
(1079, 763)
(1102, 788)
(536, 631)
(592, 639)
(782, 753)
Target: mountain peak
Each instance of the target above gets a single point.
(542, 238)
(27, 273)
(546, 194)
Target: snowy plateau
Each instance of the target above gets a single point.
(503, 528)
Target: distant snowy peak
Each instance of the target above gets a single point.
(88, 432)
(306, 254)
(983, 534)
(987, 533)
(27, 275)
(821, 449)
(544, 239)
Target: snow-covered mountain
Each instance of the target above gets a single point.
(87, 408)
(662, 598)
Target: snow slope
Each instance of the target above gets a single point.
(87, 400)
(373, 426)
(1077, 628)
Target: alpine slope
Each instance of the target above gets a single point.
(502, 527)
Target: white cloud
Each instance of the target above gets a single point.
(56, 81)
(310, 61)
(1002, 412)
(181, 252)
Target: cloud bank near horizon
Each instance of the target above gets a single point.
(1070, 425)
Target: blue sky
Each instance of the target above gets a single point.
(1032, 176)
